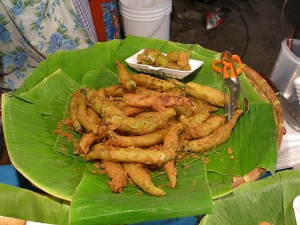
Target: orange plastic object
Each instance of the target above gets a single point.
(228, 66)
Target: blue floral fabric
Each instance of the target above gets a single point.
(32, 29)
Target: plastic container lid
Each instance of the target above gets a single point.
(144, 4)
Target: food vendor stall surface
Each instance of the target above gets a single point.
(71, 177)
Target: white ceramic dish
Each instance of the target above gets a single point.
(296, 206)
(178, 74)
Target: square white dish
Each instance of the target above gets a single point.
(296, 206)
(178, 74)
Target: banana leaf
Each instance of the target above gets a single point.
(32, 136)
(31, 115)
(220, 185)
(30, 206)
(75, 63)
(94, 203)
(268, 200)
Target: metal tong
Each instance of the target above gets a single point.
(231, 68)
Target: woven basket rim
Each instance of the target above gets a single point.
(266, 92)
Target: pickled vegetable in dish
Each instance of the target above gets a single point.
(172, 60)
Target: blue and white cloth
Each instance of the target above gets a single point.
(83, 10)
(32, 29)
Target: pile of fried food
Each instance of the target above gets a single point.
(172, 60)
(145, 124)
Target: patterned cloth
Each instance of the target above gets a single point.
(83, 9)
(32, 29)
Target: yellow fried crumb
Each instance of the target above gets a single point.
(205, 160)
(229, 151)
(265, 223)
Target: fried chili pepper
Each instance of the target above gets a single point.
(146, 140)
(140, 126)
(170, 145)
(153, 83)
(156, 101)
(206, 93)
(124, 78)
(141, 178)
(74, 110)
(131, 154)
(218, 137)
(116, 173)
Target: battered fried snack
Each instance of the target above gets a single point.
(172, 66)
(158, 101)
(216, 138)
(88, 139)
(195, 108)
(197, 93)
(97, 101)
(82, 114)
(148, 56)
(143, 90)
(198, 118)
(131, 111)
(175, 91)
(140, 126)
(109, 109)
(146, 126)
(170, 145)
(206, 93)
(176, 82)
(162, 61)
(95, 98)
(124, 78)
(173, 56)
(117, 175)
(202, 129)
(146, 115)
(199, 106)
(183, 110)
(172, 60)
(131, 154)
(114, 91)
(74, 110)
(146, 140)
(152, 83)
(141, 178)
(87, 117)
(183, 60)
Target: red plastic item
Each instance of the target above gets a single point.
(212, 20)
(106, 19)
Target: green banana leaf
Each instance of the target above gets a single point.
(220, 185)
(191, 192)
(268, 200)
(31, 135)
(30, 206)
(31, 115)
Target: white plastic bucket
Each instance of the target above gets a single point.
(287, 69)
(145, 6)
(147, 18)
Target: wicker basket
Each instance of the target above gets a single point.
(265, 91)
